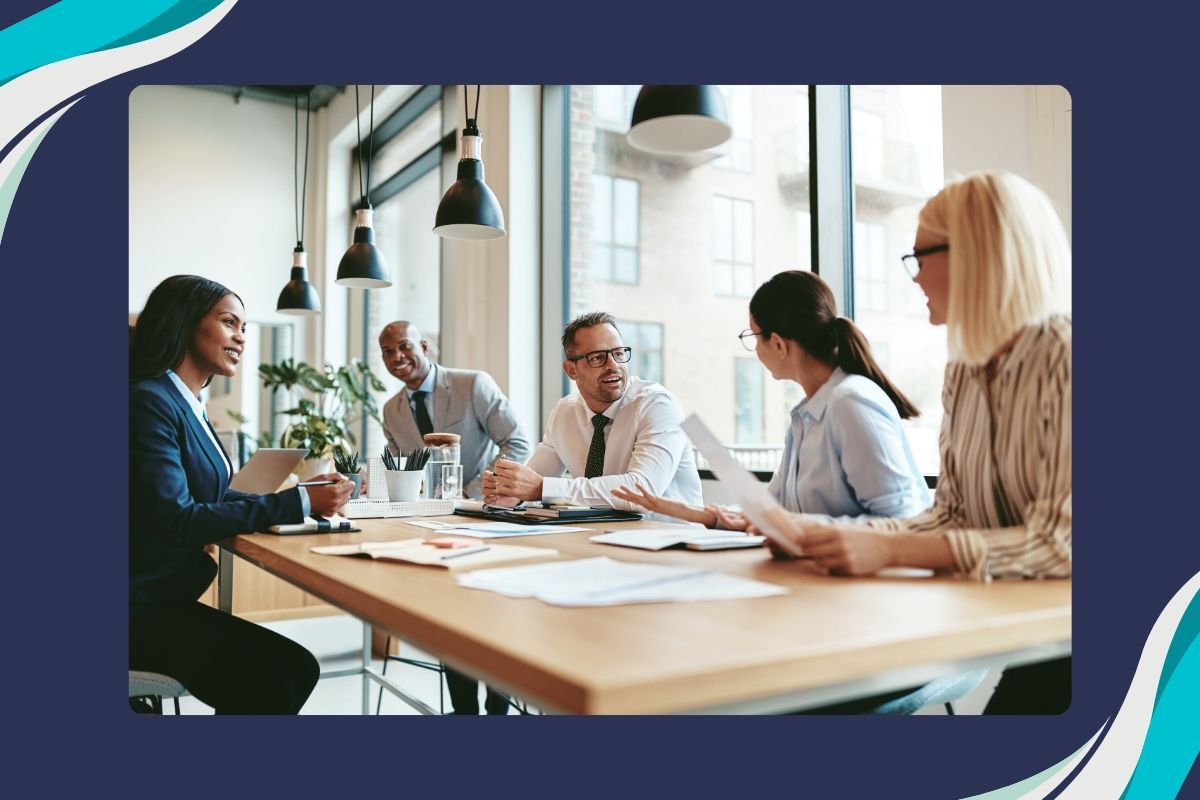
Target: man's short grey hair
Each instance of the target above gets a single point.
(588, 320)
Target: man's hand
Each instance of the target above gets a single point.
(513, 480)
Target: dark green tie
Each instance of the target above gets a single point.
(424, 423)
(595, 459)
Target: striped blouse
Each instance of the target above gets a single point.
(1003, 499)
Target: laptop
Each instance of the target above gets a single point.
(267, 469)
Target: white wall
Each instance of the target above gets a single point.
(1022, 129)
(210, 193)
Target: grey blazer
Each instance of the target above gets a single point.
(470, 404)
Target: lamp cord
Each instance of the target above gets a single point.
(370, 146)
(363, 188)
(301, 189)
(467, 103)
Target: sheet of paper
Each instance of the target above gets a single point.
(757, 503)
(603, 581)
(497, 530)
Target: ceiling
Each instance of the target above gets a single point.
(284, 95)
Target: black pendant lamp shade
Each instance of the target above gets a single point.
(672, 120)
(299, 296)
(363, 265)
(469, 209)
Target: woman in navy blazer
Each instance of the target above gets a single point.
(179, 501)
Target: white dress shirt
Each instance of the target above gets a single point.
(642, 445)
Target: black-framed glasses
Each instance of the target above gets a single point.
(912, 261)
(598, 358)
(747, 339)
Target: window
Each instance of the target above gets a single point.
(693, 213)
(646, 339)
(748, 408)
(738, 153)
(676, 245)
(870, 277)
(897, 166)
(614, 229)
(733, 247)
(612, 105)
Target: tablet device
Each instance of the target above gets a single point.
(267, 469)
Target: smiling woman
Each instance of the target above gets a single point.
(179, 499)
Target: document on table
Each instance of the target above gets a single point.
(757, 503)
(493, 530)
(692, 538)
(605, 582)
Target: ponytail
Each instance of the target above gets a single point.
(854, 357)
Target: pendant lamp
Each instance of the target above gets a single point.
(299, 296)
(363, 265)
(673, 120)
(469, 209)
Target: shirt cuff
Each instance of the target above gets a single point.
(555, 487)
(305, 505)
(970, 552)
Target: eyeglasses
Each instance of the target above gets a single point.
(912, 261)
(747, 339)
(598, 358)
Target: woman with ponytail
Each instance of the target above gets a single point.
(845, 453)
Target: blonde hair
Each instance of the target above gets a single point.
(1009, 260)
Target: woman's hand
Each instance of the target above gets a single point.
(729, 520)
(661, 505)
(846, 551)
(324, 501)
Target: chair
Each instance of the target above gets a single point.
(155, 686)
(944, 690)
(434, 666)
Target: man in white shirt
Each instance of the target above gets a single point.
(618, 431)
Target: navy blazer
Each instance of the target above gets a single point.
(179, 497)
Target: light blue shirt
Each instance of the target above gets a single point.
(846, 455)
(198, 409)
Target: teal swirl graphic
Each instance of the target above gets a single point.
(52, 56)
(1153, 741)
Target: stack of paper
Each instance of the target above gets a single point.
(418, 551)
(605, 582)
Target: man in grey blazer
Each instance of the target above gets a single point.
(462, 401)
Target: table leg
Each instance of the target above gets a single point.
(224, 580)
(366, 665)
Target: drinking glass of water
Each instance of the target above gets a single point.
(451, 488)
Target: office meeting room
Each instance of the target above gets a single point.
(600, 399)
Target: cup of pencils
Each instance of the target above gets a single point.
(403, 476)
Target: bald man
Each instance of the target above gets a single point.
(436, 398)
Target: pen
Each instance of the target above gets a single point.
(316, 483)
(466, 552)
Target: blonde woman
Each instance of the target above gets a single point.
(992, 258)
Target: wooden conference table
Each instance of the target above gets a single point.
(828, 639)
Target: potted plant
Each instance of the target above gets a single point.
(329, 402)
(347, 464)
